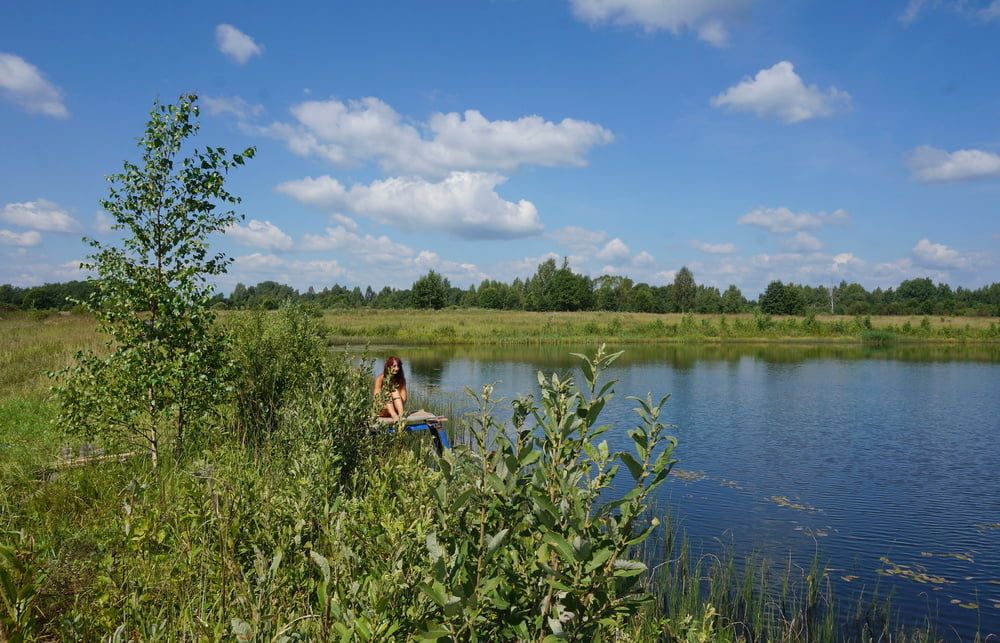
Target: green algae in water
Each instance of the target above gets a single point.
(784, 501)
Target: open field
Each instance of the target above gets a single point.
(475, 326)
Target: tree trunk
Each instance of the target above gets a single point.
(153, 438)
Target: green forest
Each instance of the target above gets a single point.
(558, 288)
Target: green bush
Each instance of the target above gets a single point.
(275, 357)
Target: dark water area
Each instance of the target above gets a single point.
(885, 461)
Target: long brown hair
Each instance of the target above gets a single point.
(399, 379)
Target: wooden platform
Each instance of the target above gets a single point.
(423, 421)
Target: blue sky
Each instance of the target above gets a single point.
(748, 140)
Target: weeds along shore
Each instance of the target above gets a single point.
(514, 327)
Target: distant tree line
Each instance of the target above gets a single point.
(558, 288)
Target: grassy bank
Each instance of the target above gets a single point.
(512, 327)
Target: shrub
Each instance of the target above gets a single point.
(274, 357)
(337, 409)
(523, 547)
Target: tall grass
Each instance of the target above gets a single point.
(400, 327)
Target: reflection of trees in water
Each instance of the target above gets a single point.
(424, 369)
(426, 362)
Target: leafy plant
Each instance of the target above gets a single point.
(524, 549)
(152, 298)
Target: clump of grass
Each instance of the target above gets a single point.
(877, 337)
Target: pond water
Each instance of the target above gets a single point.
(886, 461)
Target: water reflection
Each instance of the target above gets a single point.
(685, 356)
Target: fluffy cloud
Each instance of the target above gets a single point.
(714, 248)
(369, 248)
(709, 18)
(784, 220)
(643, 259)
(803, 242)
(260, 234)
(22, 239)
(932, 165)
(458, 272)
(779, 92)
(233, 105)
(345, 221)
(464, 203)
(937, 255)
(614, 250)
(846, 261)
(288, 270)
(28, 271)
(386, 263)
(24, 85)
(39, 215)
(235, 44)
(369, 130)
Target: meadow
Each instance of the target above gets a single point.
(318, 529)
(473, 326)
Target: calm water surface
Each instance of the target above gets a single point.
(881, 459)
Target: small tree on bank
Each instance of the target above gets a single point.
(162, 369)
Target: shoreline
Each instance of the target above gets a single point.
(359, 340)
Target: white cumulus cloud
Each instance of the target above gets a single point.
(369, 130)
(710, 19)
(21, 239)
(260, 234)
(937, 255)
(779, 92)
(465, 204)
(933, 165)
(643, 259)
(714, 248)
(24, 85)
(803, 242)
(287, 270)
(368, 248)
(39, 215)
(236, 45)
(782, 219)
(614, 250)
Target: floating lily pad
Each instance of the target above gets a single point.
(916, 573)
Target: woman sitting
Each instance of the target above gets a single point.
(393, 381)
